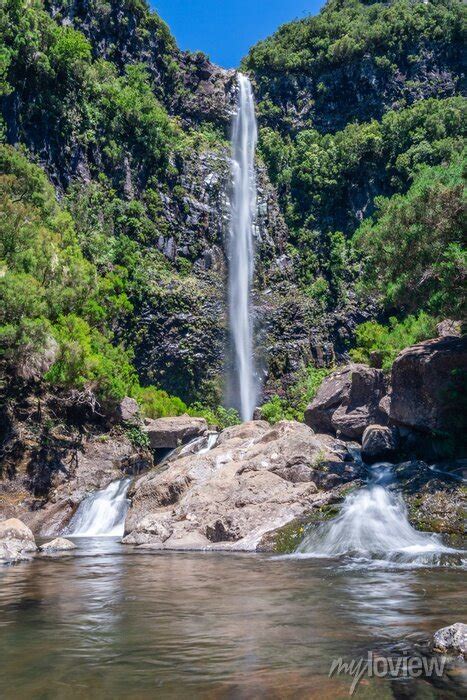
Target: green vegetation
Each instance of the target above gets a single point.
(138, 438)
(51, 298)
(375, 342)
(347, 30)
(292, 406)
(413, 248)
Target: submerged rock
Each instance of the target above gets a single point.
(451, 640)
(168, 433)
(256, 479)
(16, 541)
(59, 544)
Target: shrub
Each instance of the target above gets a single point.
(156, 403)
(388, 341)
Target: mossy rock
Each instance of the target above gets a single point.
(441, 511)
(286, 539)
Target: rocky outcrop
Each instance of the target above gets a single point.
(451, 640)
(47, 466)
(426, 380)
(16, 541)
(254, 480)
(348, 401)
(169, 433)
(449, 328)
(434, 494)
(379, 443)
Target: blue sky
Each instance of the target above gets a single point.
(226, 29)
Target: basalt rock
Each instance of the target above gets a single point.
(426, 381)
(59, 544)
(379, 443)
(254, 480)
(348, 401)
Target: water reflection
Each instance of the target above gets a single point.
(114, 622)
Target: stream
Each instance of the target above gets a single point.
(113, 622)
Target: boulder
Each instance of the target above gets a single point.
(332, 393)
(16, 540)
(379, 443)
(426, 383)
(128, 410)
(348, 401)
(59, 544)
(451, 640)
(255, 479)
(169, 433)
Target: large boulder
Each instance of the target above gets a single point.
(16, 540)
(348, 401)
(169, 433)
(379, 443)
(255, 479)
(426, 385)
(451, 640)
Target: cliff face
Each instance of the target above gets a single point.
(179, 195)
(357, 60)
(134, 135)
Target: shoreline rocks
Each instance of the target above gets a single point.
(420, 414)
(379, 444)
(16, 541)
(451, 640)
(59, 544)
(348, 401)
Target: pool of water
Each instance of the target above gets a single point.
(108, 621)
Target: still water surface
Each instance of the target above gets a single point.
(111, 622)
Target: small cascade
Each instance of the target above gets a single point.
(102, 513)
(210, 443)
(373, 525)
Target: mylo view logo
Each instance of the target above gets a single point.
(372, 666)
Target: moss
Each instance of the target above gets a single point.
(442, 512)
(286, 539)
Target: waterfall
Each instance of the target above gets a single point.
(241, 250)
(102, 513)
(373, 525)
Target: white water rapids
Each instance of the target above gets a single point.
(373, 526)
(103, 513)
(241, 250)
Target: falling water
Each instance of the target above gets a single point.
(103, 513)
(241, 254)
(373, 525)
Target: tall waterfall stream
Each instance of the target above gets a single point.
(241, 250)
